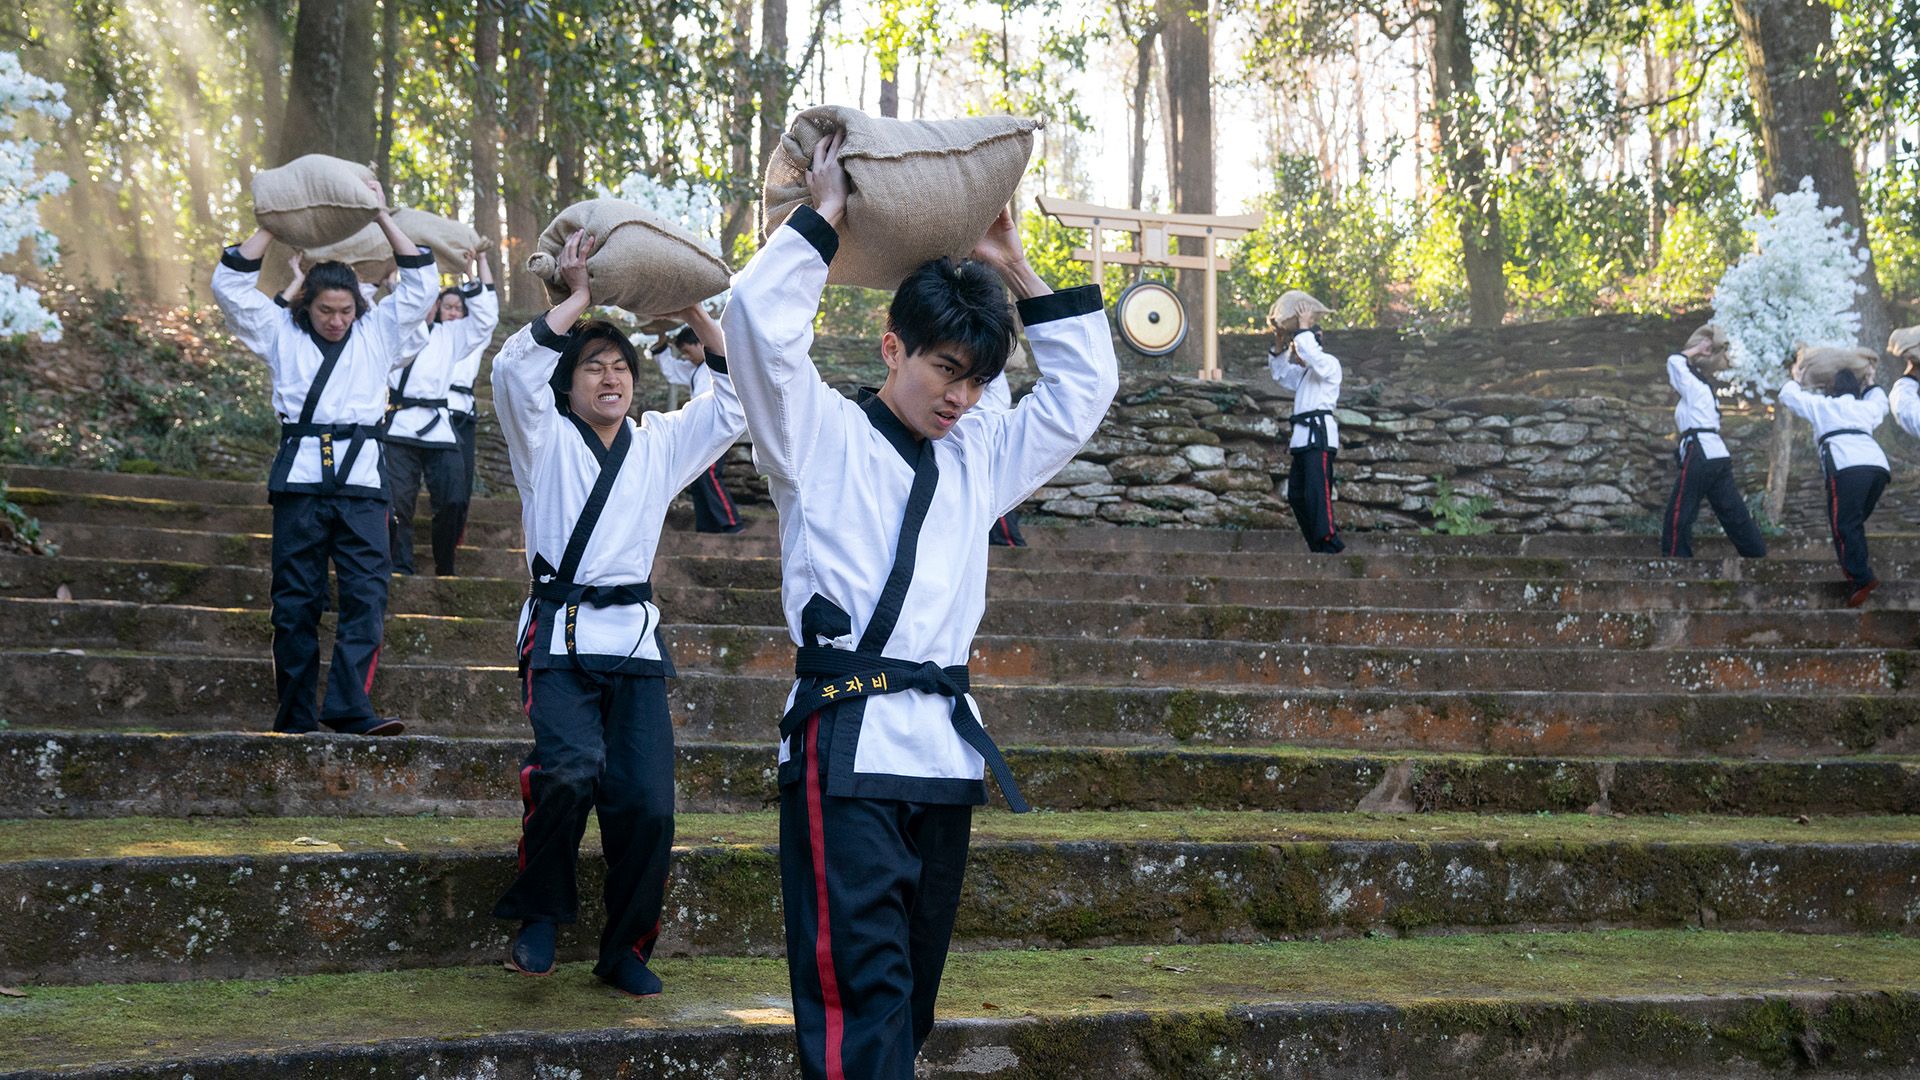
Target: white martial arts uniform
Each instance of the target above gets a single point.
(556, 460)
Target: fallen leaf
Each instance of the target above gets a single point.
(394, 842)
(988, 1005)
(63, 593)
(308, 841)
(12, 991)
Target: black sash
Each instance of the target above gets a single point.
(829, 676)
(1315, 421)
(1693, 433)
(328, 434)
(1826, 451)
(557, 586)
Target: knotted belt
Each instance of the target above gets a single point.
(1315, 421)
(830, 676)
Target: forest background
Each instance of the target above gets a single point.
(1420, 162)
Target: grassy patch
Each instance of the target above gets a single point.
(136, 837)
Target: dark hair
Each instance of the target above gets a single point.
(584, 341)
(962, 304)
(686, 336)
(324, 276)
(451, 290)
(1846, 382)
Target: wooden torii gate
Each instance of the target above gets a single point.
(1152, 246)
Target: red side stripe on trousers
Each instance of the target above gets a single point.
(1326, 487)
(373, 665)
(823, 931)
(526, 800)
(1679, 493)
(714, 475)
(1833, 518)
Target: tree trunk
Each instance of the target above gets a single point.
(1189, 119)
(484, 131)
(890, 92)
(1142, 86)
(1796, 98)
(774, 80)
(1779, 462)
(266, 54)
(740, 128)
(1463, 158)
(524, 172)
(389, 76)
(330, 93)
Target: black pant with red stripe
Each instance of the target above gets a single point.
(1310, 494)
(713, 509)
(308, 532)
(1006, 531)
(1712, 479)
(870, 888)
(1852, 493)
(600, 743)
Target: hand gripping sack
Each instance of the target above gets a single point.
(453, 243)
(640, 262)
(1905, 343)
(367, 252)
(314, 201)
(1286, 311)
(920, 189)
(1716, 359)
(1816, 365)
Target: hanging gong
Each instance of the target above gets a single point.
(1152, 322)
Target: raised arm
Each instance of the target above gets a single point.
(522, 397)
(252, 316)
(1079, 374)
(1905, 402)
(702, 429)
(1306, 344)
(1796, 399)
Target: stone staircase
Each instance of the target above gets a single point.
(1521, 806)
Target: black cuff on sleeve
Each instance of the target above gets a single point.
(281, 299)
(420, 259)
(471, 288)
(1071, 303)
(544, 336)
(716, 362)
(233, 260)
(808, 223)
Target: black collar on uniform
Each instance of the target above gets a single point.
(329, 348)
(889, 425)
(592, 437)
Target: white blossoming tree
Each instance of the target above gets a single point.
(1796, 287)
(21, 311)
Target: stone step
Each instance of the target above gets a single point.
(1671, 1004)
(1258, 608)
(768, 651)
(122, 691)
(1903, 546)
(150, 899)
(97, 526)
(114, 774)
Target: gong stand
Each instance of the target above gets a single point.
(1153, 246)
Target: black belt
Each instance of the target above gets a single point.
(328, 434)
(829, 676)
(398, 401)
(1826, 452)
(570, 597)
(1693, 433)
(1315, 421)
(467, 390)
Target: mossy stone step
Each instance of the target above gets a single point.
(1059, 660)
(139, 691)
(1623, 1003)
(164, 899)
(157, 582)
(112, 774)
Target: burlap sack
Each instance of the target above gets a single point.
(1816, 365)
(1905, 343)
(1286, 311)
(920, 188)
(1716, 358)
(639, 262)
(366, 251)
(314, 200)
(453, 243)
